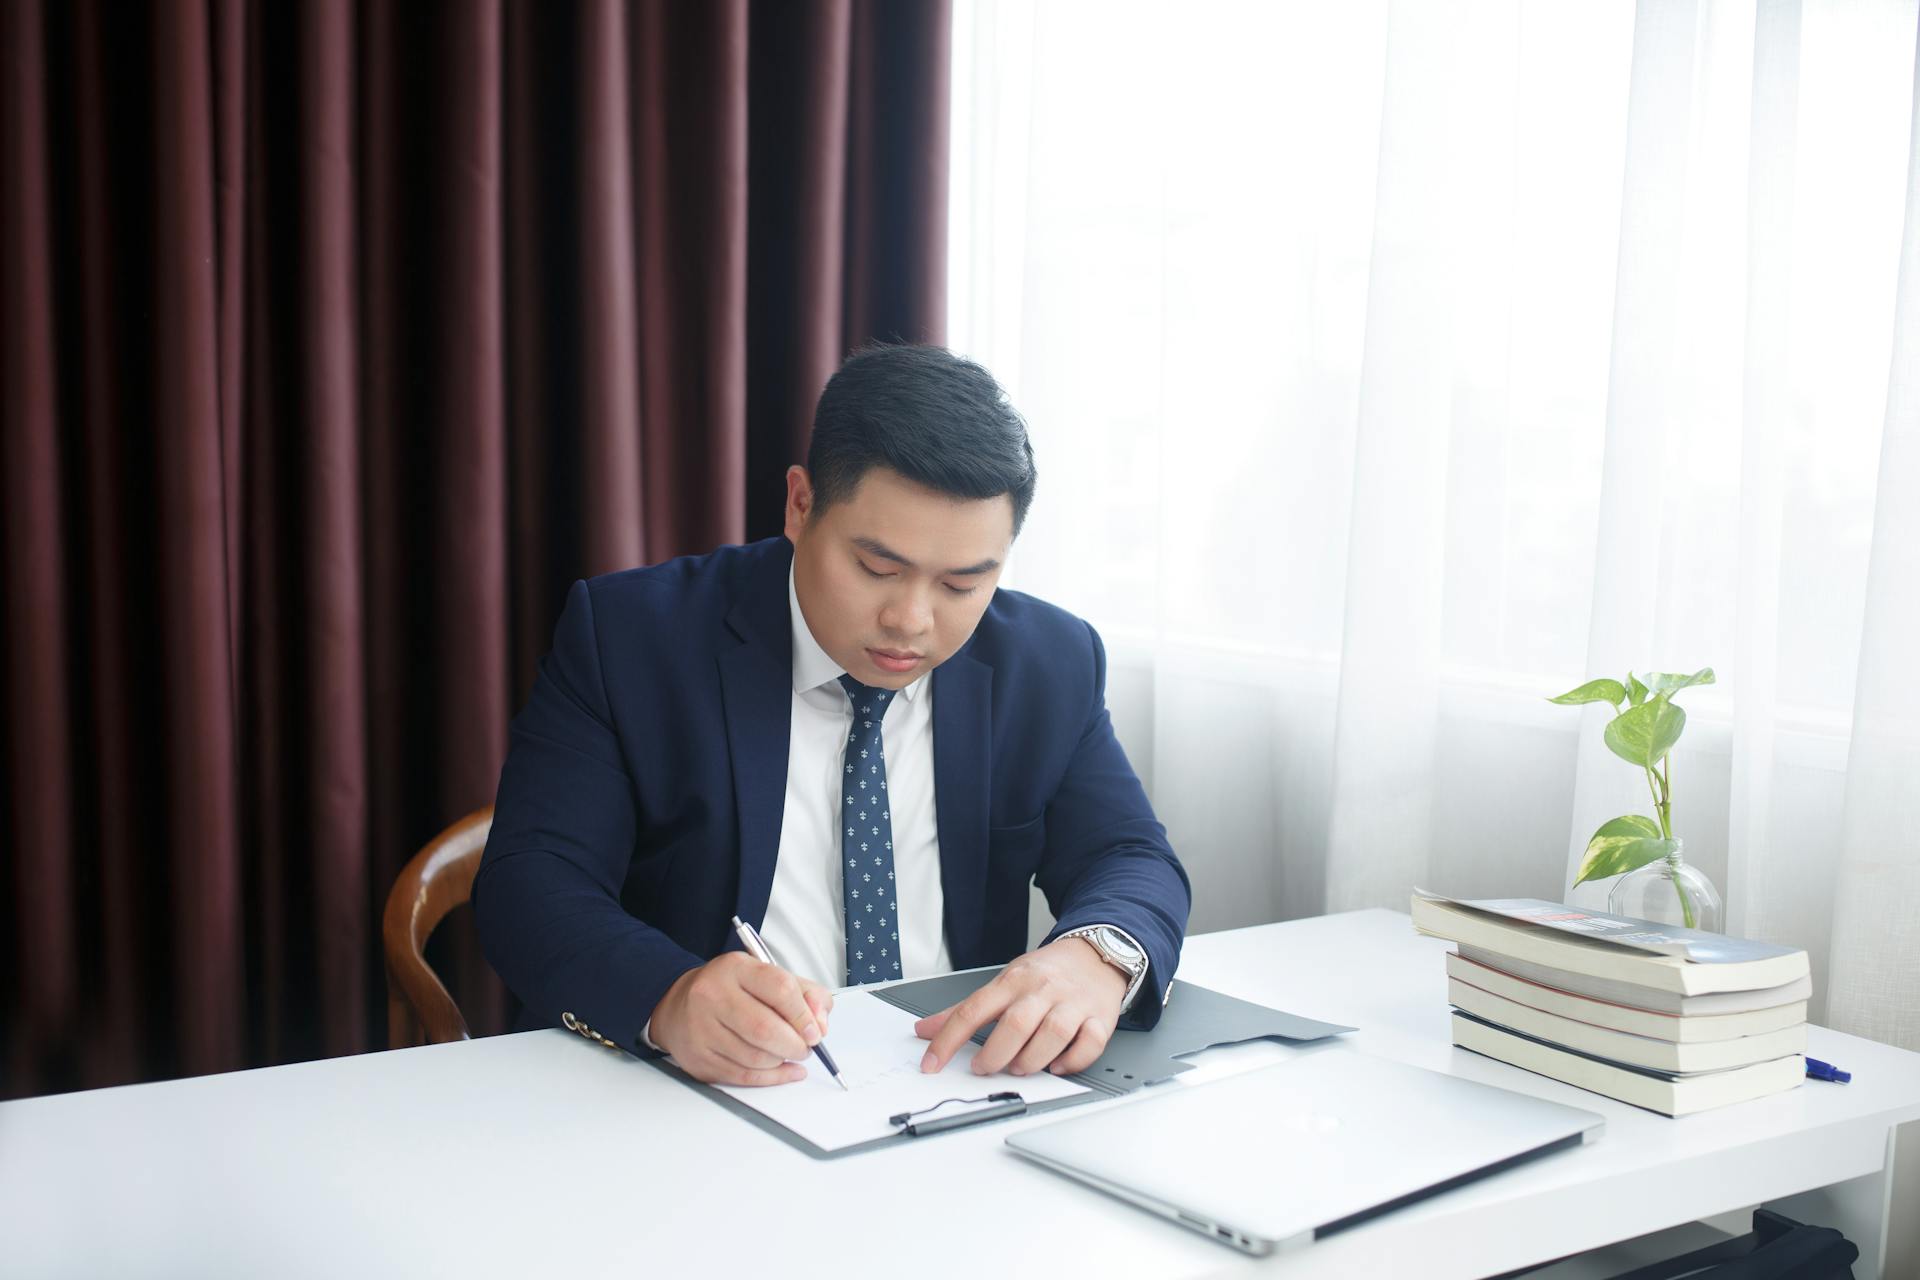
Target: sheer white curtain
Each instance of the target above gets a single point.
(1394, 366)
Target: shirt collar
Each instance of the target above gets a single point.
(811, 665)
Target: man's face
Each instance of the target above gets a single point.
(893, 579)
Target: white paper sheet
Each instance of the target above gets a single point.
(879, 1058)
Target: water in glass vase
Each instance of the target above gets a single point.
(1668, 890)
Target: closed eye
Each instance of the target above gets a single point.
(871, 571)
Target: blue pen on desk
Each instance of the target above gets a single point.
(758, 950)
(1818, 1070)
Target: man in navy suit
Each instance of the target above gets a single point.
(851, 739)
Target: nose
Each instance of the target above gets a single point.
(908, 612)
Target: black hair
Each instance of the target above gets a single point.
(937, 418)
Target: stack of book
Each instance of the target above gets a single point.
(1670, 1019)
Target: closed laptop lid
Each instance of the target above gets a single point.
(1268, 1159)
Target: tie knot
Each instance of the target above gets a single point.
(865, 698)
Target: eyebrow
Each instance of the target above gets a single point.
(880, 550)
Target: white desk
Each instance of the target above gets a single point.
(534, 1154)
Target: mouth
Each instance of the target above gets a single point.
(894, 661)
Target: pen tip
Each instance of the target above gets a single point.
(842, 1083)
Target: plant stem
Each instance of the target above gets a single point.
(1686, 904)
(1666, 799)
(1673, 865)
(1659, 807)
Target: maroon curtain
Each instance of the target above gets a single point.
(338, 339)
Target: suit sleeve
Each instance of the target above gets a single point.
(1107, 859)
(547, 896)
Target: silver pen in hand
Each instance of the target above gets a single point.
(758, 950)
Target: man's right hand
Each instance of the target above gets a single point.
(738, 1020)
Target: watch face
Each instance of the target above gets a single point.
(1118, 947)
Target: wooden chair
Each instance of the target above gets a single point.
(438, 879)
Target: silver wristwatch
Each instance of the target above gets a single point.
(1118, 950)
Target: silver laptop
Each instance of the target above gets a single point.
(1279, 1157)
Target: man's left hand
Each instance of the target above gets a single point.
(1056, 1008)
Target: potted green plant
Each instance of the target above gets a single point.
(1643, 851)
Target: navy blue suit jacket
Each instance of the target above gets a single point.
(641, 799)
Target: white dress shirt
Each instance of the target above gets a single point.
(805, 925)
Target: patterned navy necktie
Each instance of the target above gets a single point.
(866, 843)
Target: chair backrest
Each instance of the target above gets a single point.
(438, 879)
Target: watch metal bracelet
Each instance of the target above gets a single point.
(1136, 978)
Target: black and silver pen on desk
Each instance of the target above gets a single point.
(758, 950)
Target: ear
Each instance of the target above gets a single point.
(799, 502)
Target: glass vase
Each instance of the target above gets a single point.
(1668, 890)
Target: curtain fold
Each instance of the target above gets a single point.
(338, 339)
(39, 800)
(1879, 872)
(1388, 712)
(1766, 398)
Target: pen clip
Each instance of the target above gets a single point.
(750, 939)
(1005, 1105)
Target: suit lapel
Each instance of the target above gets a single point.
(756, 689)
(962, 716)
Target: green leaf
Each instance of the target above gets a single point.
(1602, 690)
(1624, 844)
(1636, 692)
(1642, 735)
(1668, 683)
(1629, 824)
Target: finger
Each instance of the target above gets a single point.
(781, 992)
(720, 1070)
(1056, 1031)
(1017, 1026)
(1085, 1049)
(761, 1026)
(929, 1027)
(747, 1056)
(965, 1018)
